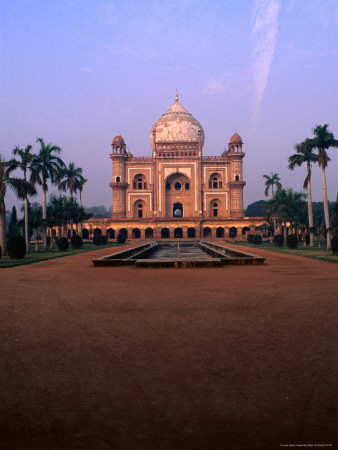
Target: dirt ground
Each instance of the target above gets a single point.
(238, 357)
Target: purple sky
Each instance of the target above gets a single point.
(76, 71)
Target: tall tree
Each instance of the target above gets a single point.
(16, 184)
(35, 221)
(82, 183)
(25, 158)
(14, 221)
(322, 141)
(286, 206)
(71, 180)
(304, 154)
(47, 165)
(270, 182)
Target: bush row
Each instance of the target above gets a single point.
(254, 239)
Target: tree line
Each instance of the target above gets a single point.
(39, 169)
(286, 205)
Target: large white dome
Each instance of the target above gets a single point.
(176, 125)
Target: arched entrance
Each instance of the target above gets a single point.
(165, 233)
(85, 233)
(124, 231)
(178, 210)
(244, 230)
(207, 232)
(232, 232)
(110, 233)
(178, 233)
(219, 232)
(97, 232)
(191, 232)
(149, 233)
(136, 233)
(178, 195)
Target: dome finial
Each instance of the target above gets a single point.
(176, 96)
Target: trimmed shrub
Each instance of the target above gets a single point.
(278, 240)
(97, 240)
(62, 244)
(100, 240)
(16, 247)
(307, 239)
(257, 239)
(292, 240)
(48, 241)
(121, 238)
(250, 238)
(76, 241)
(334, 244)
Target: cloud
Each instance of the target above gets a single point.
(213, 87)
(265, 37)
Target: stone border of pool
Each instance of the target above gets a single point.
(220, 256)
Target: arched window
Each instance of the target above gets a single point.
(215, 181)
(215, 209)
(118, 179)
(139, 182)
(167, 186)
(236, 177)
(187, 186)
(140, 210)
(178, 186)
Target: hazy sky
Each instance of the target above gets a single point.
(76, 71)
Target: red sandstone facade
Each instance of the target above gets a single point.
(178, 192)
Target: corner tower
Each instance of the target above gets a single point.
(119, 185)
(236, 184)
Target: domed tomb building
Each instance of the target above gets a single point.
(178, 192)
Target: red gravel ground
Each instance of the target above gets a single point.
(239, 357)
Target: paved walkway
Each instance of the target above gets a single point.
(238, 357)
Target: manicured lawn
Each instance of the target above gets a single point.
(33, 257)
(314, 252)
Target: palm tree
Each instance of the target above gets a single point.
(82, 183)
(322, 141)
(47, 165)
(286, 206)
(18, 185)
(56, 212)
(35, 220)
(272, 181)
(71, 179)
(304, 155)
(24, 163)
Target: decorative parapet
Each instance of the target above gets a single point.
(140, 159)
(213, 158)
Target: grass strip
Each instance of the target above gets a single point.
(45, 255)
(308, 252)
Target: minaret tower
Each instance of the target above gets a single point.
(235, 175)
(119, 156)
